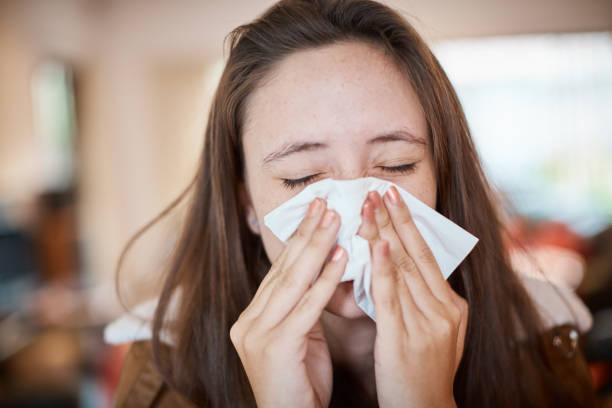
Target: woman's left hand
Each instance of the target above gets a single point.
(420, 320)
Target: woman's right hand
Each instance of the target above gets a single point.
(278, 337)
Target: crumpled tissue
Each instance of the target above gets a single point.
(449, 243)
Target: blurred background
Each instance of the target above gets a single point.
(102, 110)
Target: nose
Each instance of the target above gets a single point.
(349, 167)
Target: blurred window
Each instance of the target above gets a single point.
(540, 111)
(54, 123)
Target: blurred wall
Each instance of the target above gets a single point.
(140, 136)
(17, 145)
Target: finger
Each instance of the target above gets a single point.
(302, 235)
(295, 244)
(385, 228)
(415, 245)
(260, 298)
(368, 229)
(462, 305)
(412, 315)
(425, 299)
(289, 288)
(311, 305)
(387, 304)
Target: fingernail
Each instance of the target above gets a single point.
(313, 209)
(367, 213)
(372, 197)
(328, 218)
(392, 195)
(337, 253)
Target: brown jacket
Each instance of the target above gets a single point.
(141, 385)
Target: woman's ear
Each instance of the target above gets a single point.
(252, 221)
(251, 217)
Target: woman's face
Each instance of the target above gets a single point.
(341, 111)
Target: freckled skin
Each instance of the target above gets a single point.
(341, 95)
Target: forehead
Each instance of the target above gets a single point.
(345, 90)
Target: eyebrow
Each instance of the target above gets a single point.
(291, 148)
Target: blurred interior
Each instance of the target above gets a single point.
(102, 111)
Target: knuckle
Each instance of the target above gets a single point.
(384, 222)
(425, 253)
(406, 263)
(431, 333)
(444, 327)
(389, 303)
(301, 233)
(235, 333)
(372, 241)
(368, 232)
(287, 281)
(242, 317)
(459, 303)
(454, 312)
(306, 299)
(405, 219)
(317, 239)
(320, 241)
(280, 260)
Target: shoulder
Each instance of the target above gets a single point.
(562, 350)
(565, 319)
(550, 277)
(141, 384)
(563, 315)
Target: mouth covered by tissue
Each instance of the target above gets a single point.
(449, 243)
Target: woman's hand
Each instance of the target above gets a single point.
(278, 336)
(420, 320)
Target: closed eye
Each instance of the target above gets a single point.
(404, 168)
(294, 183)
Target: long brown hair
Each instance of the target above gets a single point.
(218, 262)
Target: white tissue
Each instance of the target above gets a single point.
(449, 243)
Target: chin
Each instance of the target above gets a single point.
(343, 302)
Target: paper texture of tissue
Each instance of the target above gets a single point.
(449, 243)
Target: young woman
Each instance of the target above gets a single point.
(342, 89)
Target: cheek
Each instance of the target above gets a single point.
(272, 245)
(422, 185)
(264, 201)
